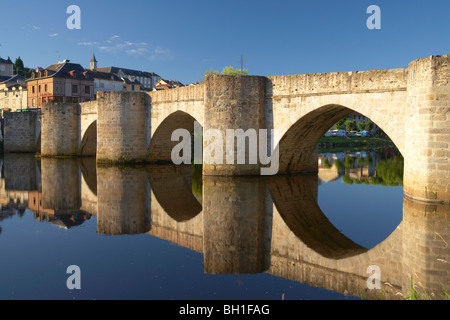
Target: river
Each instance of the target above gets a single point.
(164, 232)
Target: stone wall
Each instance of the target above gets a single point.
(427, 164)
(338, 82)
(426, 251)
(60, 129)
(21, 131)
(172, 109)
(235, 102)
(121, 126)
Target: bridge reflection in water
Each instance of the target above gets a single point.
(241, 225)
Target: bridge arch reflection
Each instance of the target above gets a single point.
(295, 199)
(243, 225)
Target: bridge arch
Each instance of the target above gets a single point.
(88, 145)
(310, 120)
(161, 144)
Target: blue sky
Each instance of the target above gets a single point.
(181, 39)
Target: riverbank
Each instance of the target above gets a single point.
(336, 144)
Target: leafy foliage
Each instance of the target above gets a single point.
(228, 71)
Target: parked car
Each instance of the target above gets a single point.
(328, 134)
(353, 134)
(339, 133)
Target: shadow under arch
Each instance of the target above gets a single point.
(88, 145)
(298, 147)
(38, 142)
(161, 144)
(295, 198)
(88, 167)
(172, 187)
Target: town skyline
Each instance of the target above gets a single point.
(181, 40)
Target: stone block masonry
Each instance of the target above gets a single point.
(121, 127)
(427, 158)
(233, 103)
(21, 132)
(60, 129)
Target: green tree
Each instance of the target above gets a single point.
(361, 126)
(349, 125)
(18, 65)
(348, 162)
(369, 126)
(338, 164)
(211, 72)
(347, 179)
(230, 71)
(391, 171)
(326, 163)
(340, 124)
(227, 71)
(20, 69)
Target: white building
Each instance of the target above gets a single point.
(104, 81)
(6, 68)
(13, 93)
(147, 80)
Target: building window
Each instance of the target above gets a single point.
(87, 89)
(132, 87)
(39, 88)
(34, 102)
(32, 89)
(74, 89)
(45, 88)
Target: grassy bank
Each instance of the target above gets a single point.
(336, 144)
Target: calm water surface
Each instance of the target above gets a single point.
(163, 232)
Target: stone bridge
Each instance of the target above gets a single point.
(410, 105)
